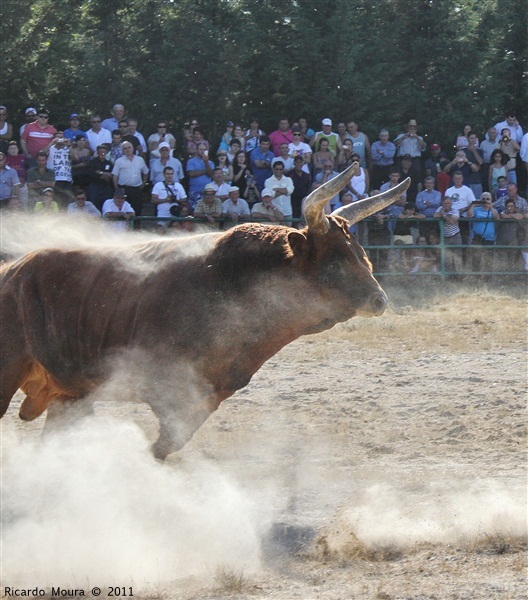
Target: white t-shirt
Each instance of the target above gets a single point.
(160, 190)
(110, 206)
(60, 163)
(462, 197)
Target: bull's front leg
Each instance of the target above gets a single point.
(63, 412)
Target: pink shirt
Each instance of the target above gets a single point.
(279, 137)
(37, 137)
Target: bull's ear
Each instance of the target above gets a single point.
(298, 244)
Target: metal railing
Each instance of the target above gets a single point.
(452, 260)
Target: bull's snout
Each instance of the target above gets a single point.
(375, 305)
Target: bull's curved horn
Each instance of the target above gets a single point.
(314, 203)
(363, 208)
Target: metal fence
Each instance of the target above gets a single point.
(445, 260)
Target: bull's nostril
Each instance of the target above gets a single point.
(379, 303)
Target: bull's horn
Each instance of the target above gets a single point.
(314, 203)
(363, 208)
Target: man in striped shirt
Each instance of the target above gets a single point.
(452, 235)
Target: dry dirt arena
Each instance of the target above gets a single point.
(384, 459)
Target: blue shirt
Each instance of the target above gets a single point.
(70, 134)
(484, 228)
(197, 184)
(261, 174)
(385, 156)
(8, 180)
(427, 203)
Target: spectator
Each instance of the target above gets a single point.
(227, 136)
(382, 159)
(321, 156)
(112, 123)
(344, 158)
(325, 175)
(300, 148)
(476, 160)
(488, 145)
(452, 236)
(403, 234)
(306, 131)
(301, 185)
(260, 159)
(37, 137)
(115, 150)
(283, 134)
(126, 136)
(509, 230)
(38, 179)
(60, 162)
(168, 196)
(239, 173)
(524, 156)
(443, 180)
(360, 143)
(460, 164)
(9, 183)
(497, 169)
(341, 135)
(266, 210)
(81, 158)
(16, 161)
(483, 232)
(284, 157)
(235, 146)
(378, 234)
(410, 168)
(118, 208)
(6, 130)
(101, 179)
(359, 184)
(198, 139)
(209, 208)
(511, 123)
(330, 136)
(411, 144)
(200, 172)
(282, 188)
(424, 260)
(238, 133)
(81, 206)
(157, 165)
(462, 139)
(161, 136)
(73, 130)
(130, 174)
(520, 203)
(252, 135)
(432, 163)
(394, 210)
(427, 203)
(511, 148)
(501, 193)
(461, 197)
(220, 187)
(235, 208)
(132, 130)
(46, 204)
(30, 116)
(97, 135)
(223, 163)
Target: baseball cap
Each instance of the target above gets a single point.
(327, 121)
(267, 192)
(163, 145)
(31, 110)
(73, 115)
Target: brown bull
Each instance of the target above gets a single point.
(205, 312)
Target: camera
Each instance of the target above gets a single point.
(175, 210)
(505, 138)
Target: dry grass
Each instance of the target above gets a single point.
(230, 581)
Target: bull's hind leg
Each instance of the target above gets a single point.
(63, 412)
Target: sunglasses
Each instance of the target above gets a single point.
(43, 117)
(296, 135)
(162, 126)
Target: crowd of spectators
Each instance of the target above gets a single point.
(467, 193)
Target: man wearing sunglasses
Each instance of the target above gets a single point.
(37, 137)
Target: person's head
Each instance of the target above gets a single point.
(492, 134)
(433, 238)
(229, 126)
(511, 118)
(95, 122)
(47, 196)
(298, 162)
(347, 146)
(209, 194)
(30, 115)
(42, 159)
(421, 240)
(264, 143)
(253, 123)
(235, 145)
(341, 128)
(303, 123)
(284, 149)
(447, 203)
(512, 190)
(102, 151)
(81, 142)
(119, 197)
(352, 127)
(198, 135)
(505, 134)
(347, 198)
(409, 208)
(412, 127)
(278, 169)
(201, 150)
(499, 156)
(118, 111)
(43, 117)
(218, 176)
(267, 197)
(12, 148)
(354, 157)
(162, 127)
(486, 198)
(116, 137)
(128, 149)
(168, 174)
(394, 175)
(466, 130)
(297, 135)
(458, 179)
(132, 125)
(221, 156)
(284, 124)
(327, 126)
(472, 138)
(74, 120)
(384, 136)
(323, 145)
(234, 194)
(3, 159)
(80, 197)
(435, 150)
(164, 150)
(58, 139)
(193, 123)
(240, 157)
(429, 183)
(238, 132)
(328, 166)
(123, 127)
(406, 162)
(509, 205)
(501, 182)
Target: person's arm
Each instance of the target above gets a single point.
(367, 154)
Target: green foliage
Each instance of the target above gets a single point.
(442, 62)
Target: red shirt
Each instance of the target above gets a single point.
(279, 137)
(37, 137)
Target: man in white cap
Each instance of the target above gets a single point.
(266, 210)
(30, 116)
(327, 133)
(235, 208)
(166, 160)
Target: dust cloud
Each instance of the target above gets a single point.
(91, 506)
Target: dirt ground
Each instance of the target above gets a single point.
(390, 453)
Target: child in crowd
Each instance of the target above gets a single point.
(500, 193)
